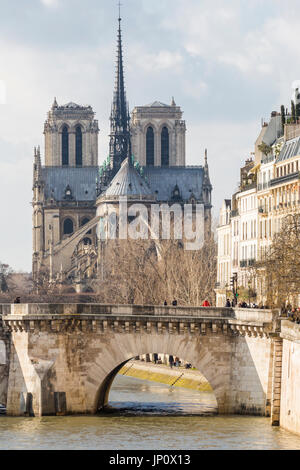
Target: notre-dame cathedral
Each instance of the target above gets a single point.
(147, 161)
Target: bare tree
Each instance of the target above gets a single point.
(279, 270)
(135, 272)
(5, 274)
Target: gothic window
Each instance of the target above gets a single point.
(165, 159)
(150, 147)
(65, 146)
(78, 146)
(68, 227)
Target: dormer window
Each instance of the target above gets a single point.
(68, 193)
(176, 193)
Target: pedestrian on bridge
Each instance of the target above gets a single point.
(206, 303)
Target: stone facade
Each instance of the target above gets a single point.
(290, 382)
(64, 189)
(269, 191)
(71, 116)
(158, 116)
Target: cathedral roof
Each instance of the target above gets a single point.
(157, 104)
(163, 181)
(82, 182)
(72, 105)
(128, 182)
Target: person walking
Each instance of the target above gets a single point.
(206, 303)
(174, 303)
(228, 304)
(165, 303)
(171, 361)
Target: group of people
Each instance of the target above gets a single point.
(175, 303)
(231, 303)
(293, 314)
(174, 362)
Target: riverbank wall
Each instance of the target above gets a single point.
(290, 377)
(176, 377)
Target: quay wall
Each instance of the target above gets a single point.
(290, 382)
(177, 377)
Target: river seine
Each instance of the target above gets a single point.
(146, 415)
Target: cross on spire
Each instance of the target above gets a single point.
(120, 5)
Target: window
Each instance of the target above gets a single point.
(78, 146)
(68, 227)
(150, 147)
(165, 159)
(65, 146)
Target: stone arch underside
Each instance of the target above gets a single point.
(202, 352)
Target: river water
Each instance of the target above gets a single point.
(146, 415)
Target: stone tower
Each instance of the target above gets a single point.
(158, 135)
(64, 189)
(71, 136)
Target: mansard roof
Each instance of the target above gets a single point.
(290, 149)
(128, 182)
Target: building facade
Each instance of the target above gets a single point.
(269, 191)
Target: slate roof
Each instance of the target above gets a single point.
(157, 104)
(82, 182)
(158, 182)
(290, 149)
(163, 181)
(128, 182)
(274, 130)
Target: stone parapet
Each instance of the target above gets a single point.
(290, 331)
(128, 318)
(102, 309)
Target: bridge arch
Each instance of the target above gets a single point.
(199, 351)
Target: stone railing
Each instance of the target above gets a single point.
(103, 309)
(290, 331)
(63, 318)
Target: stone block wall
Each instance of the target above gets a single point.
(290, 383)
(251, 376)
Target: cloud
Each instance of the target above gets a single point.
(162, 60)
(50, 3)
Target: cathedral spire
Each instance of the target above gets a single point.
(120, 145)
(37, 165)
(206, 178)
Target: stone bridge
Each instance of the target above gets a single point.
(62, 359)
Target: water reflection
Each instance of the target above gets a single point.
(130, 396)
(135, 429)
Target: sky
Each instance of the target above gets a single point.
(228, 64)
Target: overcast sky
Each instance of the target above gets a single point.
(228, 63)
